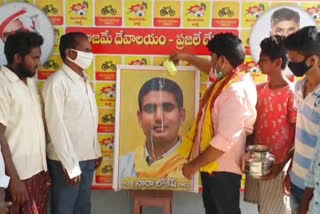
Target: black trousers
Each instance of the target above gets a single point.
(221, 192)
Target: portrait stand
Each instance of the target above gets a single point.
(152, 198)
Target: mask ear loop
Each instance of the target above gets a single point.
(220, 74)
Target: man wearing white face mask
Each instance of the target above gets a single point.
(72, 120)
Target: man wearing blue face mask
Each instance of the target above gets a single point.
(304, 55)
(72, 119)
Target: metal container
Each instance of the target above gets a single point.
(260, 162)
(259, 151)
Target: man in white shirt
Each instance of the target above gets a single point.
(22, 132)
(72, 120)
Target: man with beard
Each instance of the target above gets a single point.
(160, 115)
(22, 133)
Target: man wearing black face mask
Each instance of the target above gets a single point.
(72, 120)
(304, 55)
(22, 134)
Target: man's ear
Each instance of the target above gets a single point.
(314, 59)
(225, 62)
(71, 54)
(278, 62)
(182, 115)
(17, 58)
(318, 62)
(223, 59)
(139, 117)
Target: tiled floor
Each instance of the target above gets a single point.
(109, 202)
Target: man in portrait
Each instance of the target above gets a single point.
(160, 115)
(284, 22)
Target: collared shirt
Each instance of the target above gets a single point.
(313, 180)
(308, 117)
(233, 117)
(127, 162)
(150, 160)
(72, 119)
(4, 179)
(21, 113)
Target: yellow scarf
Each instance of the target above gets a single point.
(169, 166)
(207, 132)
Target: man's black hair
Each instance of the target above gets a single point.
(274, 48)
(161, 84)
(285, 14)
(229, 46)
(21, 43)
(305, 41)
(69, 41)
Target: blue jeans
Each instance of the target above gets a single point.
(67, 199)
(295, 198)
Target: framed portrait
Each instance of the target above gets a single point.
(154, 111)
(282, 20)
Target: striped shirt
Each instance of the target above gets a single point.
(313, 181)
(307, 127)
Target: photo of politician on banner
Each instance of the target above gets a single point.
(154, 110)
